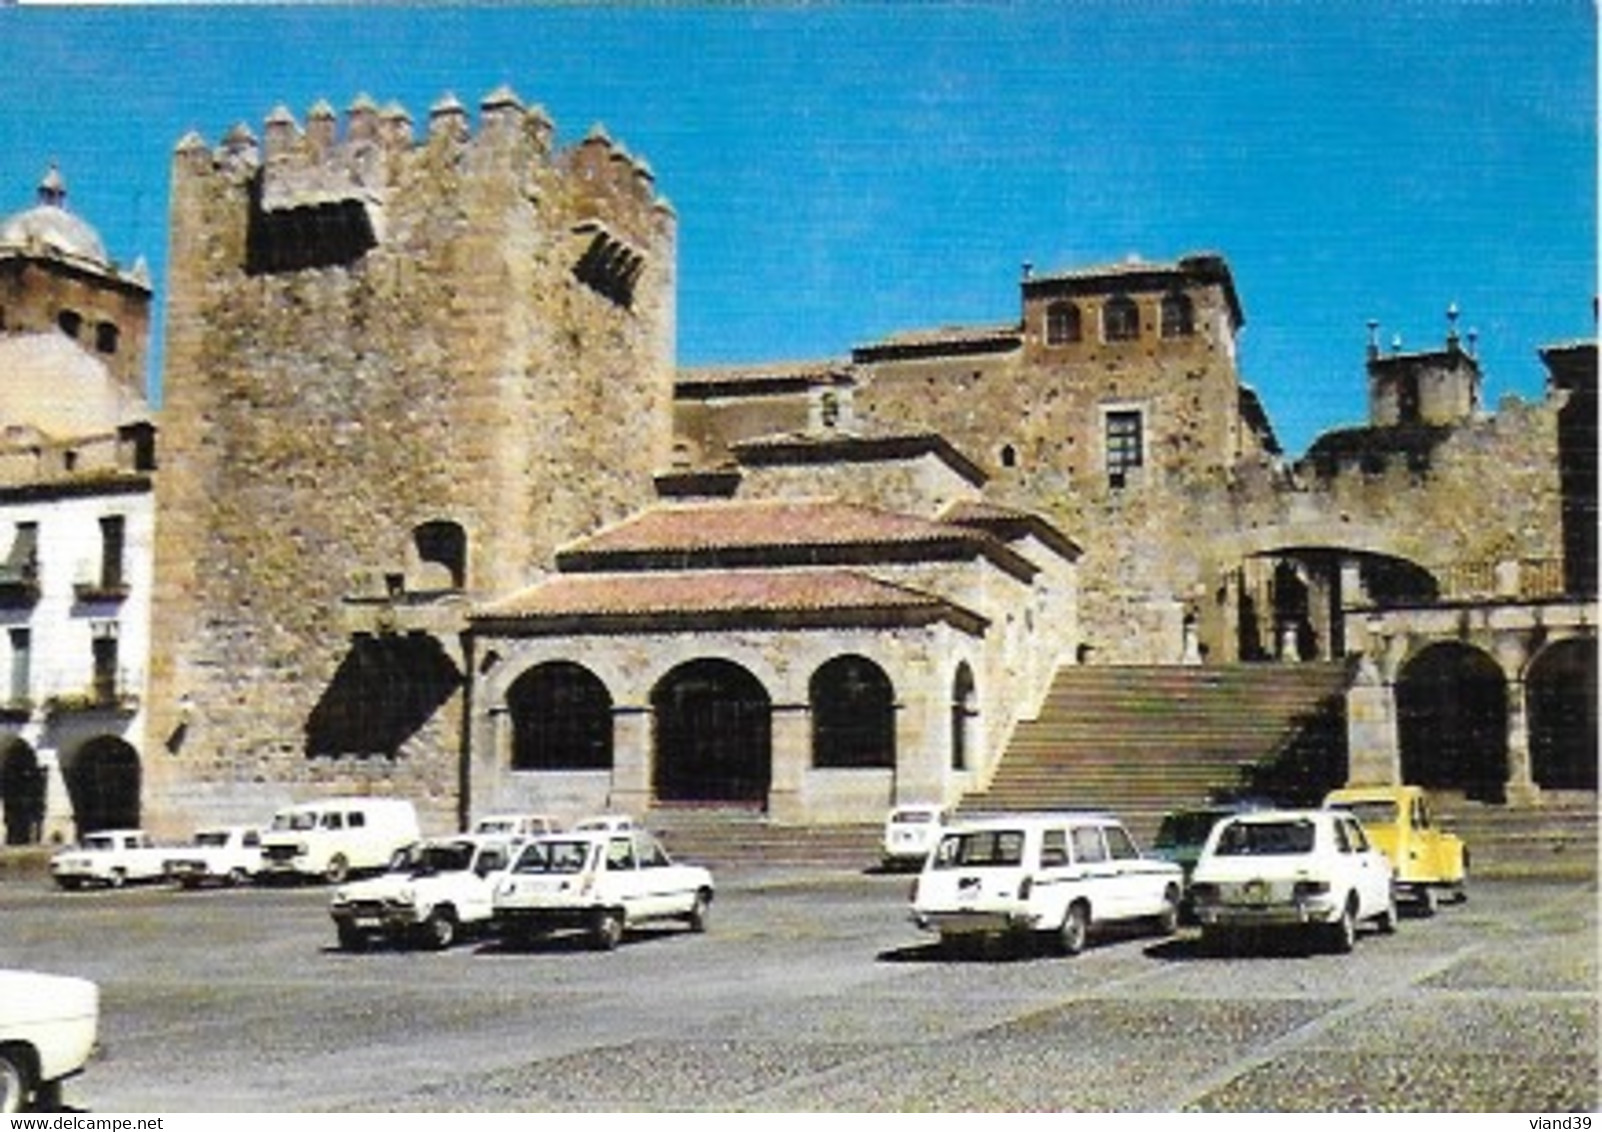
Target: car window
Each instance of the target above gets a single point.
(332, 821)
(1120, 844)
(1053, 849)
(1088, 844)
(1266, 838)
(252, 840)
(553, 857)
(357, 820)
(1357, 837)
(620, 853)
(985, 848)
(1377, 812)
(212, 839)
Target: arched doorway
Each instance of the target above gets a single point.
(561, 719)
(103, 783)
(1451, 706)
(714, 735)
(963, 709)
(22, 794)
(853, 714)
(1560, 690)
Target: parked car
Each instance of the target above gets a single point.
(515, 825)
(433, 892)
(111, 857)
(910, 831)
(1181, 835)
(1426, 859)
(1311, 871)
(48, 1029)
(1057, 875)
(604, 823)
(602, 882)
(229, 854)
(331, 839)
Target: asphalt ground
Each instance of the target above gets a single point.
(812, 992)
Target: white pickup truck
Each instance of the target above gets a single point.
(111, 857)
(229, 854)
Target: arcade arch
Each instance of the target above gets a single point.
(853, 714)
(1451, 708)
(1561, 693)
(714, 734)
(22, 794)
(103, 779)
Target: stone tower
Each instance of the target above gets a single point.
(400, 372)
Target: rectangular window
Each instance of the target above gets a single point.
(1124, 443)
(21, 664)
(105, 678)
(112, 538)
(1088, 845)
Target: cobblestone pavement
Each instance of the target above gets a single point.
(814, 993)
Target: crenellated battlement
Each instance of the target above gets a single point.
(367, 153)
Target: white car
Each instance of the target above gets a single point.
(1313, 871)
(515, 825)
(431, 893)
(602, 882)
(604, 823)
(48, 1028)
(228, 855)
(910, 831)
(111, 857)
(1022, 876)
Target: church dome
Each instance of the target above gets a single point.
(48, 227)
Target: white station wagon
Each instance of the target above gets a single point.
(1023, 876)
(1311, 871)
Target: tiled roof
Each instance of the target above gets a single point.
(722, 597)
(759, 373)
(1010, 523)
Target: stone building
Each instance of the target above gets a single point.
(77, 454)
(440, 518)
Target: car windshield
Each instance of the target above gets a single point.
(1190, 828)
(212, 839)
(980, 848)
(1376, 812)
(554, 857)
(1266, 838)
(421, 860)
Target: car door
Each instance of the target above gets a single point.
(622, 885)
(1096, 872)
(1369, 869)
(665, 888)
(1140, 882)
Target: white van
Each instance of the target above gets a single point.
(336, 837)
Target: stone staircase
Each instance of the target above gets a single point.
(1556, 838)
(732, 838)
(1142, 740)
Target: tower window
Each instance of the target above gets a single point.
(1062, 323)
(1124, 442)
(1179, 316)
(106, 337)
(70, 322)
(1120, 319)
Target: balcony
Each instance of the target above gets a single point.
(101, 592)
(19, 584)
(17, 709)
(99, 699)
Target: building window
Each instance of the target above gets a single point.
(106, 338)
(1062, 323)
(21, 664)
(1120, 319)
(105, 676)
(1124, 441)
(70, 322)
(964, 707)
(853, 715)
(1179, 316)
(442, 544)
(113, 536)
(561, 719)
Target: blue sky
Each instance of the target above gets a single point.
(845, 171)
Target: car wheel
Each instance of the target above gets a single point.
(439, 930)
(1343, 932)
(608, 930)
(237, 878)
(1075, 927)
(1387, 918)
(117, 879)
(13, 1082)
(338, 869)
(699, 911)
(1168, 918)
(1427, 901)
(351, 938)
(68, 884)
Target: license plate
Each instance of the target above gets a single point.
(1257, 891)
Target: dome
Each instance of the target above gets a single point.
(54, 386)
(49, 227)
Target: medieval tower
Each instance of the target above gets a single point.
(401, 371)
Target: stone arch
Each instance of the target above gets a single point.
(853, 714)
(22, 794)
(1560, 687)
(714, 734)
(439, 549)
(964, 697)
(561, 716)
(103, 780)
(1451, 708)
